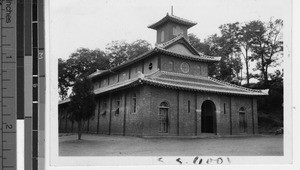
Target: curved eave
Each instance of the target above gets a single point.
(182, 87)
(178, 87)
(115, 87)
(139, 58)
(173, 19)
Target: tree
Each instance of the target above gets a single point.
(230, 65)
(198, 45)
(244, 40)
(63, 78)
(82, 62)
(120, 51)
(82, 102)
(267, 45)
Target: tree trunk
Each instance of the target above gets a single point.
(263, 68)
(266, 77)
(79, 129)
(247, 68)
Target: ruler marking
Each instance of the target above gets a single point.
(6, 45)
(8, 97)
(8, 83)
(6, 149)
(9, 62)
(8, 166)
(8, 27)
(8, 132)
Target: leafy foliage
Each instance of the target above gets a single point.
(82, 62)
(230, 65)
(267, 45)
(82, 104)
(121, 51)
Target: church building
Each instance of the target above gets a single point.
(167, 92)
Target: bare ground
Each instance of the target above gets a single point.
(103, 145)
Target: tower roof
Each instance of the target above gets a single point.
(172, 18)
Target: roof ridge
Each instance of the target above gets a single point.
(183, 19)
(187, 22)
(236, 86)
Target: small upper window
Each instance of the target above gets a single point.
(134, 102)
(117, 105)
(242, 110)
(189, 106)
(198, 70)
(171, 66)
(162, 36)
(104, 112)
(150, 66)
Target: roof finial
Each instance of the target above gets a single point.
(172, 10)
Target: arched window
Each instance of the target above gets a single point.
(242, 109)
(150, 66)
(164, 104)
(242, 120)
(198, 72)
(171, 66)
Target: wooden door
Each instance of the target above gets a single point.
(163, 120)
(242, 122)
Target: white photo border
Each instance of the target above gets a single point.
(53, 160)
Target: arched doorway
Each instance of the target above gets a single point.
(163, 117)
(208, 117)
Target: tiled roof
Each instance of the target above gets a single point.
(174, 19)
(98, 72)
(165, 45)
(204, 58)
(116, 86)
(184, 82)
(177, 38)
(157, 50)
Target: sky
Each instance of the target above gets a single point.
(95, 23)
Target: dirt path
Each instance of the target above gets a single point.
(100, 145)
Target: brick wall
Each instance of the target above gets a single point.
(181, 122)
(159, 95)
(187, 121)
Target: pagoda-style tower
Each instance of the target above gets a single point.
(170, 27)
